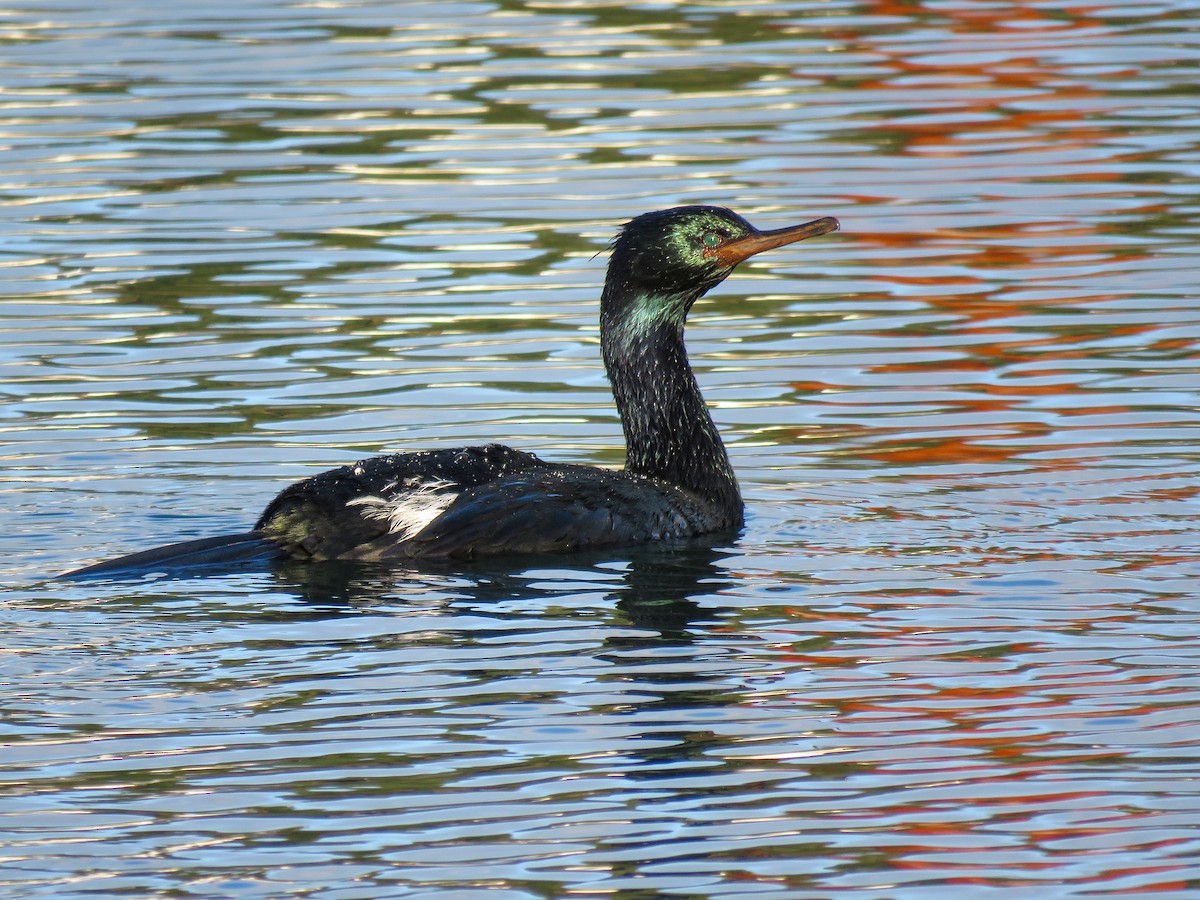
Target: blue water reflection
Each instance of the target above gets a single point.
(953, 651)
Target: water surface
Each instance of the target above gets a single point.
(953, 654)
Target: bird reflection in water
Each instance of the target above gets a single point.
(656, 589)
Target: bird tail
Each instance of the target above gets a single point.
(214, 551)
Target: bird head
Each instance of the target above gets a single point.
(663, 261)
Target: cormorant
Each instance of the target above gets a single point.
(491, 499)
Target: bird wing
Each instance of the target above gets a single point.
(562, 509)
(382, 500)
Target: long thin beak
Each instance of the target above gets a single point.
(734, 252)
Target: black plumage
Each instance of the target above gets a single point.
(476, 501)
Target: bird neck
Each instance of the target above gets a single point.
(669, 433)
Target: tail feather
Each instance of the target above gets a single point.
(214, 551)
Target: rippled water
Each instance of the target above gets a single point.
(954, 653)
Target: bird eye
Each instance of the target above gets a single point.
(711, 239)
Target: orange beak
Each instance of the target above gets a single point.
(733, 252)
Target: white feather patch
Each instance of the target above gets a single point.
(408, 513)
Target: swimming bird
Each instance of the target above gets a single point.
(458, 503)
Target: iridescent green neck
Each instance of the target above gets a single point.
(669, 433)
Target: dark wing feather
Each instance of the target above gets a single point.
(323, 517)
(555, 509)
